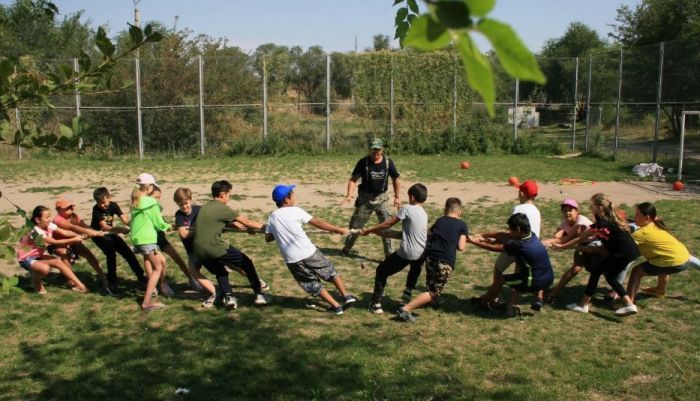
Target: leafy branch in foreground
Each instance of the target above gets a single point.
(21, 85)
(451, 22)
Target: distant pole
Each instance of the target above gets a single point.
(200, 63)
(454, 98)
(659, 87)
(355, 43)
(264, 105)
(516, 95)
(391, 104)
(617, 108)
(19, 124)
(588, 99)
(137, 68)
(328, 102)
(573, 122)
(76, 93)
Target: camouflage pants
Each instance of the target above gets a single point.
(365, 205)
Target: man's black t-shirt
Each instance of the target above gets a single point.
(444, 238)
(106, 215)
(187, 220)
(375, 177)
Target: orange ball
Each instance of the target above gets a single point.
(678, 186)
(465, 165)
(514, 181)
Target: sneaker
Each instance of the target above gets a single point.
(653, 291)
(513, 312)
(111, 290)
(577, 308)
(345, 252)
(537, 305)
(349, 300)
(627, 310)
(230, 301)
(406, 296)
(194, 284)
(337, 311)
(166, 290)
(264, 286)
(209, 301)
(405, 315)
(376, 309)
(261, 299)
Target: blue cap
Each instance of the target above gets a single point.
(281, 191)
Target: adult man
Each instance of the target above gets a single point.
(375, 171)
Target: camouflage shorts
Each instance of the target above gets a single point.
(437, 271)
(308, 272)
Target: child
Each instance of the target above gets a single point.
(533, 268)
(306, 262)
(447, 235)
(146, 220)
(66, 219)
(103, 216)
(527, 192)
(32, 256)
(664, 254)
(573, 224)
(619, 249)
(414, 223)
(215, 253)
(163, 243)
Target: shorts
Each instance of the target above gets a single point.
(437, 271)
(308, 272)
(26, 264)
(146, 249)
(503, 261)
(162, 240)
(516, 282)
(651, 270)
(588, 260)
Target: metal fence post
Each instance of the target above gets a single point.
(573, 122)
(328, 102)
(659, 86)
(454, 98)
(264, 103)
(617, 107)
(391, 104)
(76, 93)
(588, 100)
(516, 96)
(19, 124)
(139, 124)
(200, 63)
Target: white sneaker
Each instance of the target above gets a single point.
(627, 310)
(577, 308)
(262, 299)
(230, 301)
(209, 301)
(264, 286)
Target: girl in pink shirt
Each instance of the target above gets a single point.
(32, 255)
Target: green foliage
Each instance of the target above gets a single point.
(451, 22)
(8, 285)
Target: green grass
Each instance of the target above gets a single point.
(70, 346)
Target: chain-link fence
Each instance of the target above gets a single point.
(606, 102)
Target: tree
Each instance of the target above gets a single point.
(380, 42)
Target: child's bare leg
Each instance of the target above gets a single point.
(662, 282)
(495, 289)
(514, 296)
(564, 280)
(539, 294)
(178, 260)
(634, 282)
(66, 271)
(39, 271)
(419, 301)
(338, 282)
(203, 281)
(153, 277)
(147, 266)
(328, 298)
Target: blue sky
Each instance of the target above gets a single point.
(331, 24)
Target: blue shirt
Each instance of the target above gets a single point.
(531, 258)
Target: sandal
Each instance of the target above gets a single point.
(152, 307)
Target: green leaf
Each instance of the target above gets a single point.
(401, 30)
(397, 2)
(154, 37)
(480, 8)
(148, 30)
(103, 43)
(5, 233)
(5, 130)
(401, 15)
(452, 14)
(413, 6)
(411, 17)
(515, 57)
(478, 69)
(426, 34)
(84, 62)
(135, 34)
(66, 131)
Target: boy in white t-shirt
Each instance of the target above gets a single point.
(306, 262)
(527, 192)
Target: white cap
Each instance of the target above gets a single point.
(145, 179)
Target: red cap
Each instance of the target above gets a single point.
(529, 188)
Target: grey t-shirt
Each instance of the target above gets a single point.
(415, 231)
